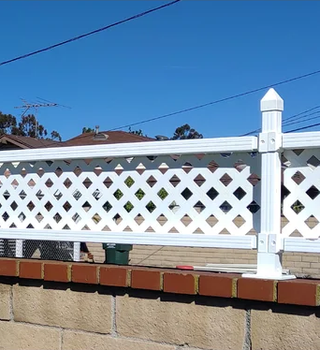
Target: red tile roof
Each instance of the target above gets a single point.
(28, 142)
(105, 137)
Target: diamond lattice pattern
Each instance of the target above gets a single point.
(301, 204)
(187, 194)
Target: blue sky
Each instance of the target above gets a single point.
(191, 53)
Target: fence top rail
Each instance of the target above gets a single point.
(198, 146)
(301, 140)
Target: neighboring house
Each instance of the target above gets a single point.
(13, 142)
(105, 137)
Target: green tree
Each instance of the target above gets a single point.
(27, 126)
(185, 132)
(55, 136)
(87, 130)
(8, 123)
(136, 132)
(139, 194)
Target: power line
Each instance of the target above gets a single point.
(301, 113)
(89, 33)
(303, 128)
(251, 132)
(232, 97)
(302, 120)
(291, 119)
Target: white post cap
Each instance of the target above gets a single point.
(271, 101)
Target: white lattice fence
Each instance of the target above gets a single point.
(302, 203)
(201, 193)
(179, 194)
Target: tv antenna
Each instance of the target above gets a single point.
(39, 103)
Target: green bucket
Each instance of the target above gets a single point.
(117, 254)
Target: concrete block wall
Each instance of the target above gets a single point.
(62, 306)
(65, 319)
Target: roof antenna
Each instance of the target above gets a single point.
(36, 105)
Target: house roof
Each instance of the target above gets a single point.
(105, 137)
(91, 138)
(27, 142)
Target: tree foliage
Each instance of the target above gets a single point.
(139, 194)
(8, 123)
(55, 136)
(137, 132)
(27, 126)
(87, 130)
(185, 132)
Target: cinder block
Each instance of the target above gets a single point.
(90, 341)
(18, 336)
(310, 258)
(291, 257)
(302, 264)
(274, 331)
(201, 326)
(5, 291)
(62, 308)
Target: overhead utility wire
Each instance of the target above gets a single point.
(304, 127)
(291, 120)
(301, 113)
(232, 97)
(294, 117)
(294, 123)
(90, 33)
(303, 119)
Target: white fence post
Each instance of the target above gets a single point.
(270, 142)
(76, 251)
(19, 248)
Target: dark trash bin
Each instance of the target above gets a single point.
(117, 254)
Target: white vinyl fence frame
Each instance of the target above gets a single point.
(269, 145)
(176, 194)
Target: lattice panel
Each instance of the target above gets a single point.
(208, 194)
(302, 201)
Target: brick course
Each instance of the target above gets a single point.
(173, 281)
(155, 309)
